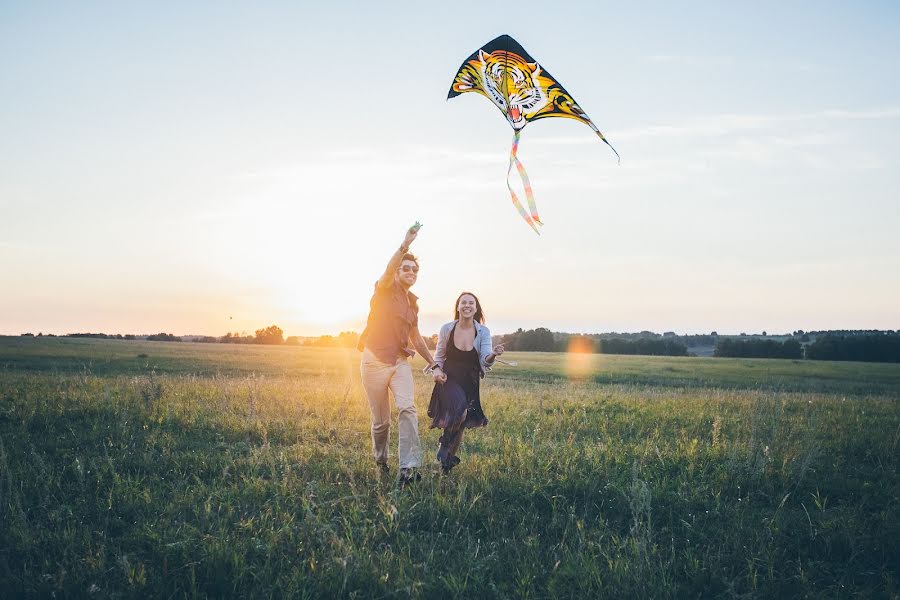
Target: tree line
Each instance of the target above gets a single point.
(868, 347)
(738, 348)
(544, 340)
(862, 347)
(842, 345)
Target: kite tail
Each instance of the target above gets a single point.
(532, 219)
(605, 141)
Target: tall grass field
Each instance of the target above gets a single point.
(150, 469)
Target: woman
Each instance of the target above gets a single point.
(463, 354)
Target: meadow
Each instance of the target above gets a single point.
(136, 469)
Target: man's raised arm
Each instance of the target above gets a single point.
(387, 278)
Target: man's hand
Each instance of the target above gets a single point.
(438, 375)
(411, 234)
(387, 278)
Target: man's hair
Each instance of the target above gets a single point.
(410, 256)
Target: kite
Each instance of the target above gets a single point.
(504, 73)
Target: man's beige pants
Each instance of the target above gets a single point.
(378, 378)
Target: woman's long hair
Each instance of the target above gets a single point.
(479, 314)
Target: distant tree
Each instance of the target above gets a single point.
(292, 341)
(645, 346)
(101, 336)
(163, 337)
(237, 338)
(758, 348)
(874, 347)
(27, 335)
(533, 340)
(714, 334)
(346, 339)
(270, 335)
(537, 340)
(764, 333)
(509, 340)
(692, 341)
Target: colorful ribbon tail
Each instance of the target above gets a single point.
(530, 216)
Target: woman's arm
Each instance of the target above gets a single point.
(487, 350)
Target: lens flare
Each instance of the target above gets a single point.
(579, 357)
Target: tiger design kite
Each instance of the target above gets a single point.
(504, 73)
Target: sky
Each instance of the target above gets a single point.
(227, 166)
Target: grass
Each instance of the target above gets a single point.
(209, 470)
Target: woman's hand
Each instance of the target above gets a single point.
(498, 350)
(438, 375)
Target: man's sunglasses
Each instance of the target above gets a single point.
(408, 268)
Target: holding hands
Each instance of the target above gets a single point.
(438, 375)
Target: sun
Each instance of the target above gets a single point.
(328, 302)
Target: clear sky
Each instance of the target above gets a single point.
(227, 166)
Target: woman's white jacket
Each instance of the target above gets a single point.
(482, 344)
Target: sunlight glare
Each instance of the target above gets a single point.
(579, 358)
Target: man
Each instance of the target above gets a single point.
(392, 325)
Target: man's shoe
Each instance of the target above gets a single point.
(408, 476)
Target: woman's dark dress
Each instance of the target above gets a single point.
(456, 404)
